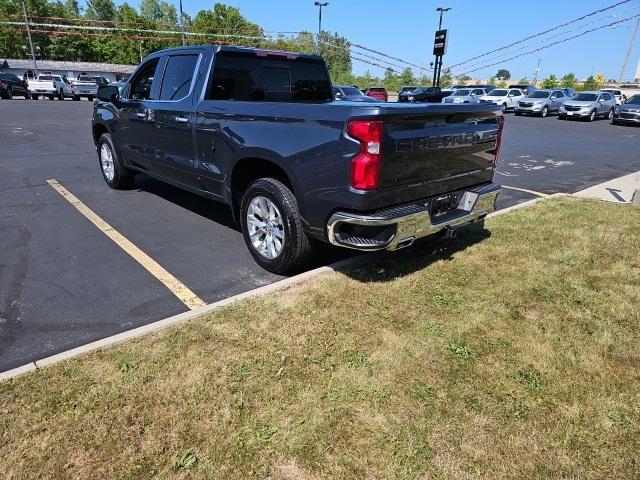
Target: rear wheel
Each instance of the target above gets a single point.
(116, 176)
(34, 97)
(60, 95)
(544, 112)
(9, 94)
(76, 98)
(272, 226)
(51, 97)
(610, 116)
(90, 98)
(518, 114)
(27, 95)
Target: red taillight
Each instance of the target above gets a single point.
(499, 140)
(2, 84)
(365, 166)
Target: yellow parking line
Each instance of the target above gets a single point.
(179, 289)
(532, 192)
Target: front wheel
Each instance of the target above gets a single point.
(27, 96)
(116, 176)
(76, 98)
(60, 95)
(9, 94)
(518, 114)
(544, 112)
(592, 116)
(34, 97)
(90, 98)
(272, 226)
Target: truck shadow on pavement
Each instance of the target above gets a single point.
(387, 266)
(209, 209)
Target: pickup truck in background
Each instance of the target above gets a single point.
(424, 94)
(259, 131)
(87, 86)
(52, 86)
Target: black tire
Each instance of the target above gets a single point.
(123, 178)
(592, 116)
(76, 98)
(561, 117)
(60, 95)
(544, 113)
(296, 247)
(518, 114)
(90, 98)
(610, 116)
(34, 96)
(27, 95)
(51, 97)
(9, 94)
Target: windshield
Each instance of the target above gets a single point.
(84, 78)
(613, 92)
(407, 89)
(539, 94)
(635, 100)
(48, 77)
(585, 97)
(461, 93)
(497, 93)
(419, 90)
(351, 91)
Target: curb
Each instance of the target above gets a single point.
(115, 340)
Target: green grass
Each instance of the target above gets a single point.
(513, 355)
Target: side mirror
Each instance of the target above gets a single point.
(108, 93)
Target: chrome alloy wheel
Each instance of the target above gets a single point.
(106, 162)
(265, 228)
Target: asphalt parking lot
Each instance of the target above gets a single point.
(63, 282)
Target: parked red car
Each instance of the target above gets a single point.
(378, 92)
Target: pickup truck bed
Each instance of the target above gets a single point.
(362, 176)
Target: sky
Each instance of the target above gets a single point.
(406, 30)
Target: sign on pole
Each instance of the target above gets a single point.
(440, 42)
(600, 78)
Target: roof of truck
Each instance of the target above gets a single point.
(234, 48)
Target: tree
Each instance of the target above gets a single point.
(550, 82)
(503, 74)
(406, 77)
(100, 10)
(445, 79)
(464, 78)
(569, 80)
(159, 11)
(590, 84)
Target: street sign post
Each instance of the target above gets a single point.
(440, 42)
(439, 49)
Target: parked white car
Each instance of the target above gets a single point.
(507, 97)
(52, 86)
(465, 95)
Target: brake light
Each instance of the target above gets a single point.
(2, 84)
(365, 166)
(499, 140)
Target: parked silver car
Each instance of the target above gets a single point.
(589, 106)
(465, 95)
(628, 112)
(541, 102)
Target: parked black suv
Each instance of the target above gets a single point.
(11, 85)
(259, 131)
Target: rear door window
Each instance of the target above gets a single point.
(178, 75)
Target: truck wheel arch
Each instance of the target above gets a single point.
(247, 170)
(98, 130)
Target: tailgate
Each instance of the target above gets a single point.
(437, 149)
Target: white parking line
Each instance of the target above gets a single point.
(532, 192)
(175, 286)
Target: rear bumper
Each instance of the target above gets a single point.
(398, 227)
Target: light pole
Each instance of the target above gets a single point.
(182, 24)
(26, 23)
(438, 62)
(320, 5)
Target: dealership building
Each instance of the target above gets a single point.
(111, 71)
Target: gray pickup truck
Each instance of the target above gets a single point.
(259, 131)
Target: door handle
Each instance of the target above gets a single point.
(181, 119)
(141, 115)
